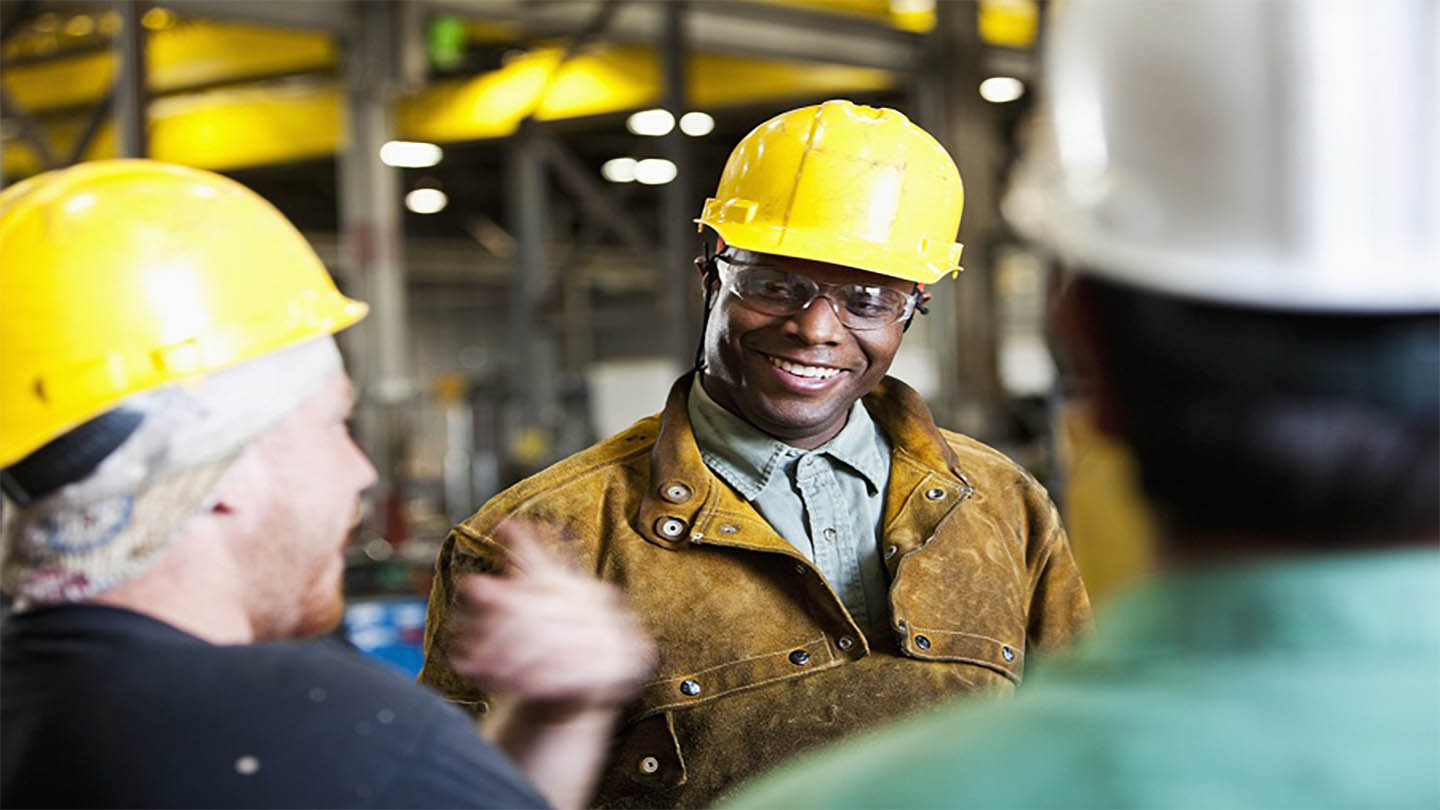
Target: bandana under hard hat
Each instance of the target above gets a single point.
(110, 526)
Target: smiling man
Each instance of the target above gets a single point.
(812, 554)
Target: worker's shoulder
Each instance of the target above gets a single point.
(983, 464)
(588, 474)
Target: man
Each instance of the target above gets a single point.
(1253, 223)
(812, 554)
(179, 482)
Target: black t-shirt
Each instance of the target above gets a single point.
(101, 707)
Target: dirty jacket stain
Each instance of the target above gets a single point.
(759, 658)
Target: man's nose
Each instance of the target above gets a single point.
(819, 322)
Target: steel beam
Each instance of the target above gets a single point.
(29, 131)
(677, 273)
(332, 16)
(973, 135)
(372, 240)
(597, 201)
(755, 29)
(130, 86)
(531, 379)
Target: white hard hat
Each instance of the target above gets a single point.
(1273, 154)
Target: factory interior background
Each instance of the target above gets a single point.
(511, 186)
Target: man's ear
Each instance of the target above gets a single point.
(1075, 317)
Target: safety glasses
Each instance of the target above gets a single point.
(773, 291)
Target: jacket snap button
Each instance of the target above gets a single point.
(1007, 652)
(728, 529)
(935, 494)
(799, 658)
(900, 625)
(689, 687)
(922, 642)
(670, 527)
(676, 492)
(890, 551)
(845, 642)
(649, 765)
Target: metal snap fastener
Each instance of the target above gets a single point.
(649, 764)
(689, 687)
(728, 529)
(1007, 652)
(922, 642)
(845, 642)
(890, 551)
(900, 625)
(676, 492)
(935, 494)
(799, 658)
(670, 527)
(829, 534)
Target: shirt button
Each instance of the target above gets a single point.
(890, 551)
(676, 492)
(935, 494)
(829, 534)
(922, 642)
(649, 765)
(845, 642)
(670, 527)
(690, 687)
(800, 569)
(799, 658)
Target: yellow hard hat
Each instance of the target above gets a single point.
(119, 276)
(846, 184)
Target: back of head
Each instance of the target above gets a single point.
(153, 319)
(1250, 194)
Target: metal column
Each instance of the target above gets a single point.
(372, 240)
(974, 138)
(532, 369)
(130, 86)
(679, 285)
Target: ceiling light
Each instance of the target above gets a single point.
(696, 124)
(157, 19)
(655, 171)
(81, 25)
(619, 170)
(410, 154)
(1001, 89)
(426, 200)
(651, 122)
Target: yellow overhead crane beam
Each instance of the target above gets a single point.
(270, 122)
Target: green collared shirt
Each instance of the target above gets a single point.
(1310, 682)
(827, 502)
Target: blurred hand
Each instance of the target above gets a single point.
(542, 632)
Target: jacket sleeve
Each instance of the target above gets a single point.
(462, 553)
(1059, 610)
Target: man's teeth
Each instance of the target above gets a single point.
(817, 372)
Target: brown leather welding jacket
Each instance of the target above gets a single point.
(759, 658)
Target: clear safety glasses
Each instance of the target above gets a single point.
(773, 291)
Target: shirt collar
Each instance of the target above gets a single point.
(749, 459)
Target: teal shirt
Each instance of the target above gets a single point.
(1307, 683)
(827, 502)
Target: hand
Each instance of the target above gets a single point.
(542, 632)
